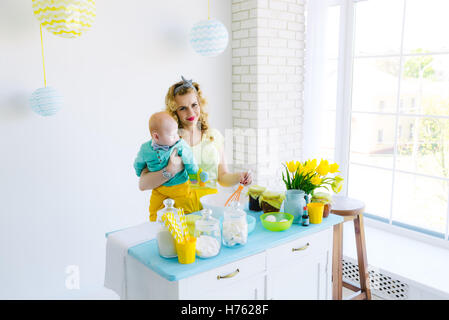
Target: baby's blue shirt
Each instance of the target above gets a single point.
(156, 160)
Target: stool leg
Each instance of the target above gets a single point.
(361, 256)
(337, 268)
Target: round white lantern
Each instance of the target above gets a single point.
(46, 101)
(65, 18)
(209, 37)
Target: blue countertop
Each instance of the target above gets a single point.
(259, 240)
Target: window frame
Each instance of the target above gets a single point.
(344, 114)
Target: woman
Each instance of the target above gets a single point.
(185, 102)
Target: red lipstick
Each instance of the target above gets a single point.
(191, 118)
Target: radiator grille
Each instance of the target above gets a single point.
(381, 285)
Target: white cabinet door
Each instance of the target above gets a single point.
(300, 280)
(242, 279)
(301, 268)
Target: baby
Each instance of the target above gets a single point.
(155, 155)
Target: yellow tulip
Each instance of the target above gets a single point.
(300, 168)
(333, 168)
(323, 168)
(309, 166)
(337, 185)
(337, 189)
(308, 169)
(316, 180)
(291, 166)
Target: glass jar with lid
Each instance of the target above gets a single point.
(271, 201)
(165, 241)
(254, 193)
(208, 235)
(235, 226)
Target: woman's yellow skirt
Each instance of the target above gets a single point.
(184, 196)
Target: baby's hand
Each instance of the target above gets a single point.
(175, 163)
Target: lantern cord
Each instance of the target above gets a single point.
(43, 60)
(208, 9)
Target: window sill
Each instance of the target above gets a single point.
(417, 259)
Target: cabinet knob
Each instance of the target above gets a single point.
(230, 275)
(302, 248)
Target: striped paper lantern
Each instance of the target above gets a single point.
(46, 101)
(209, 37)
(65, 18)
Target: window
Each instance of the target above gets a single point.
(387, 104)
(380, 136)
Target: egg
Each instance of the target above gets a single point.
(270, 218)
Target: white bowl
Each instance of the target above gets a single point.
(216, 201)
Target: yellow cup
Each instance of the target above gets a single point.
(186, 251)
(315, 212)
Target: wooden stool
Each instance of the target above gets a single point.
(349, 209)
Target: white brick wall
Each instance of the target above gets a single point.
(267, 64)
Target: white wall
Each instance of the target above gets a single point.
(268, 74)
(67, 179)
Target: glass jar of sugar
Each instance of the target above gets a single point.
(235, 226)
(165, 241)
(208, 235)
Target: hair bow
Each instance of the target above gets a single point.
(185, 84)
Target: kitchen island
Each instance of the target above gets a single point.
(292, 264)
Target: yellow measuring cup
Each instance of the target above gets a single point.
(186, 251)
(315, 212)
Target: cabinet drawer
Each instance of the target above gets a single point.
(313, 244)
(227, 275)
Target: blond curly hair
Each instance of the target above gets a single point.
(171, 106)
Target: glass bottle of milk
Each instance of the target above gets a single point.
(165, 241)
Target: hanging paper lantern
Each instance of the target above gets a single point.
(209, 37)
(65, 18)
(46, 101)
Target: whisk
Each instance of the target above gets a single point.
(236, 195)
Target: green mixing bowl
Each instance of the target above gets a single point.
(277, 226)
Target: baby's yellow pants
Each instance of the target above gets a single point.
(185, 197)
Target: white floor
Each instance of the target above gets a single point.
(347, 293)
(421, 264)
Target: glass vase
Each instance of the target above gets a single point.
(294, 204)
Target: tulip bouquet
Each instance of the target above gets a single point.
(308, 176)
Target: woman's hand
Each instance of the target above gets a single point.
(246, 178)
(228, 179)
(175, 163)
